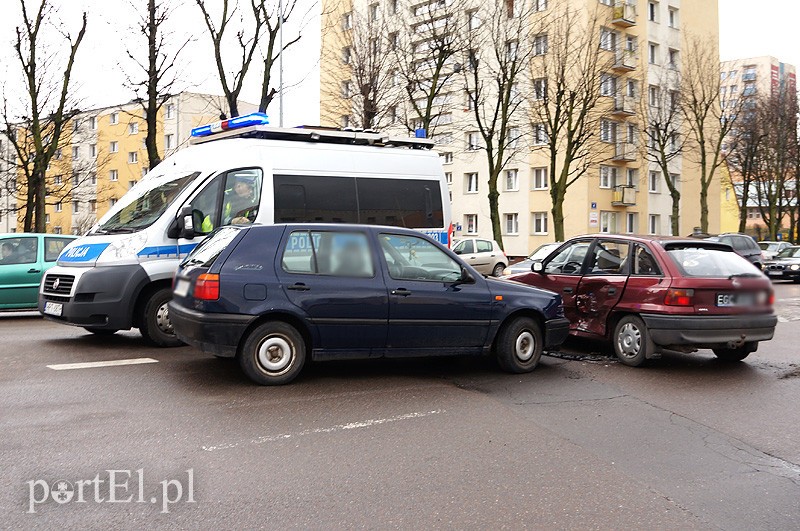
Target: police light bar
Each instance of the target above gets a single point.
(256, 118)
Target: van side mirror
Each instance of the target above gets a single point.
(537, 267)
(186, 223)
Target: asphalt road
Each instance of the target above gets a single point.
(583, 442)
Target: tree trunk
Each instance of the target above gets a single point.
(704, 206)
(151, 111)
(494, 207)
(41, 192)
(743, 205)
(676, 212)
(557, 195)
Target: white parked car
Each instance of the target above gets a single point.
(484, 255)
(770, 250)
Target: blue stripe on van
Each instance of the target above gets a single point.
(167, 250)
(82, 253)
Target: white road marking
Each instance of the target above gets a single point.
(93, 364)
(331, 429)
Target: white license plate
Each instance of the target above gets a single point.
(53, 308)
(181, 288)
(775, 273)
(735, 299)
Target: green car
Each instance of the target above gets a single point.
(24, 257)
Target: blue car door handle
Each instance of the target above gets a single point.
(298, 286)
(34, 271)
(403, 292)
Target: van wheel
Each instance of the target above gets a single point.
(736, 354)
(632, 342)
(101, 331)
(519, 345)
(273, 354)
(155, 325)
(498, 270)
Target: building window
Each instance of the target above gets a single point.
(540, 88)
(346, 120)
(632, 179)
(133, 157)
(512, 181)
(539, 5)
(57, 154)
(75, 207)
(47, 219)
(630, 223)
(93, 123)
(346, 53)
(113, 147)
(673, 58)
(56, 230)
(169, 141)
(673, 17)
(169, 111)
(539, 223)
(654, 221)
(112, 201)
(473, 21)
(113, 175)
(608, 39)
(93, 150)
(608, 176)
(512, 223)
(448, 176)
(608, 85)
(374, 12)
(652, 96)
(75, 153)
(539, 179)
(93, 178)
(392, 7)
(133, 128)
(539, 135)
(540, 44)
(471, 181)
(653, 184)
(346, 89)
(347, 21)
(113, 118)
(131, 184)
(472, 100)
(76, 125)
(608, 131)
(59, 207)
(57, 179)
(652, 56)
(447, 158)
(471, 222)
(472, 141)
(608, 222)
(652, 11)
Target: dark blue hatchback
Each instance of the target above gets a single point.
(274, 296)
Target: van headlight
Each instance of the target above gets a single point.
(124, 248)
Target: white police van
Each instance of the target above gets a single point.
(241, 170)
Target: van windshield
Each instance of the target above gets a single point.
(145, 203)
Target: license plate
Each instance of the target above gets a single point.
(181, 288)
(53, 308)
(775, 273)
(726, 300)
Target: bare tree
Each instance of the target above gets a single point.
(664, 141)
(708, 123)
(776, 157)
(36, 134)
(744, 146)
(565, 114)
(497, 59)
(155, 77)
(426, 55)
(368, 97)
(246, 44)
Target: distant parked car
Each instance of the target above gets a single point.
(770, 250)
(524, 266)
(785, 266)
(274, 296)
(485, 256)
(646, 295)
(743, 245)
(24, 257)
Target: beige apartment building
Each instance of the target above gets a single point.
(103, 155)
(621, 192)
(755, 76)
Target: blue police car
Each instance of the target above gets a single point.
(275, 296)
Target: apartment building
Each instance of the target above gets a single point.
(755, 76)
(621, 192)
(102, 155)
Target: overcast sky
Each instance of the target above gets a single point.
(747, 29)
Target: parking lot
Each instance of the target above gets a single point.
(583, 441)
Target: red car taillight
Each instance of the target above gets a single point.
(771, 298)
(206, 287)
(679, 297)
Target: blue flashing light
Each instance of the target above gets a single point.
(256, 118)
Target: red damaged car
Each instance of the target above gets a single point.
(646, 295)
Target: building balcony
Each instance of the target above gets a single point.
(624, 14)
(749, 76)
(624, 105)
(626, 60)
(624, 195)
(625, 151)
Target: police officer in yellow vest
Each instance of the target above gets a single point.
(241, 204)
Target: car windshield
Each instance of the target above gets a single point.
(145, 203)
(767, 246)
(710, 263)
(210, 248)
(790, 252)
(542, 252)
